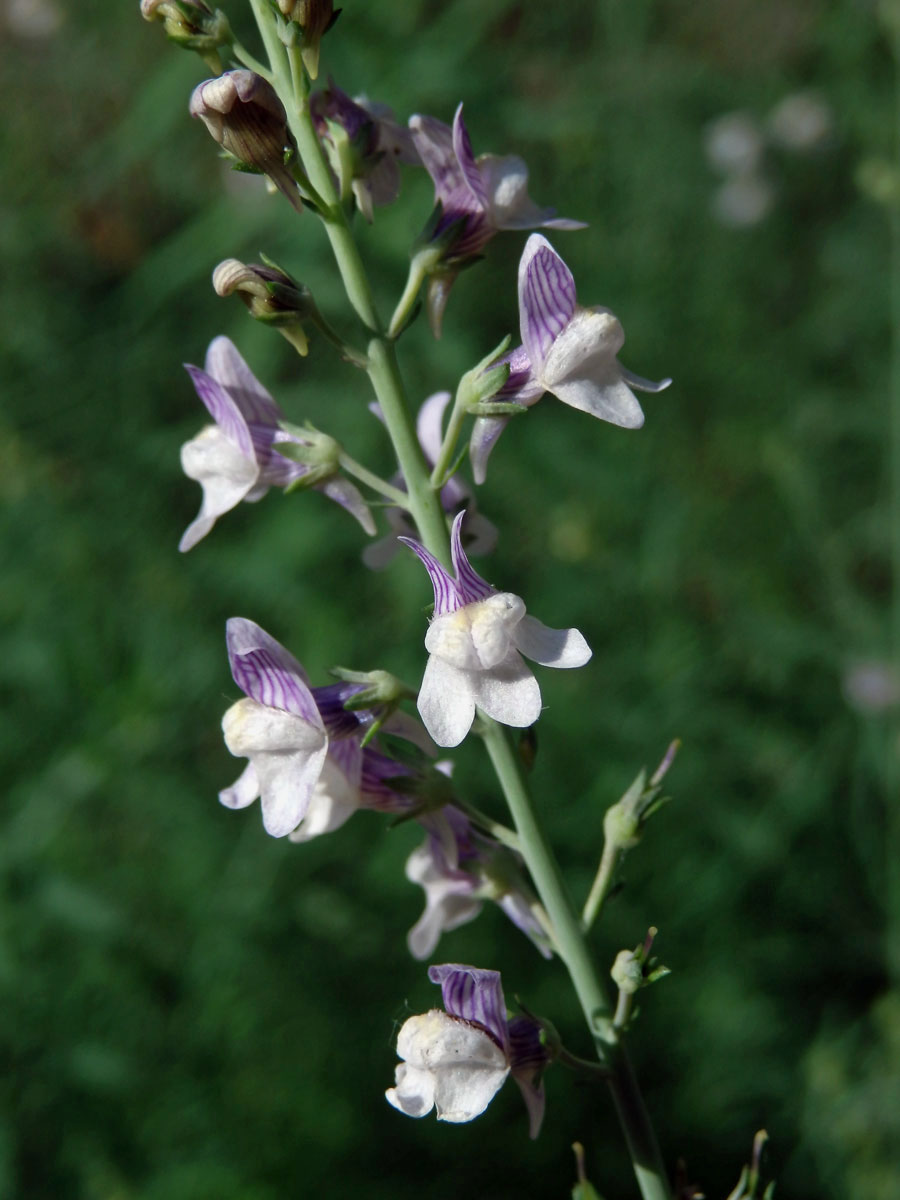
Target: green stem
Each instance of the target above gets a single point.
(265, 21)
(252, 64)
(448, 445)
(601, 886)
(414, 281)
(375, 482)
(423, 502)
(500, 832)
(573, 950)
(623, 1011)
(292, 85)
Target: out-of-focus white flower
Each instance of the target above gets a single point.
(871, 687)
(801, 121)
(33, 18)
(742, 201)
(733, 142)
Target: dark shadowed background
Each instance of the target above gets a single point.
(194, 1011)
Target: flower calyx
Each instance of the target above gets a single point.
(318, 452)
(478, 387)
(193, 25)
(750, 1181)
(244, 115)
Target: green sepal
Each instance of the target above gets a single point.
(308, 456)
(657, 973)
(238, 164)
(499, 408)
(499, 349)
(313, 476)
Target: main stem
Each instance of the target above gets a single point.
(290, 82)
(573, 950)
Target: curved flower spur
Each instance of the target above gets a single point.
(475, 641)
(456, 1061)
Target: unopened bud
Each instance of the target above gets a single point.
(634, 969)
(627, 972)
(191, 24)
(244, 115)
(270, 295)
(622, 825)
(314, 18)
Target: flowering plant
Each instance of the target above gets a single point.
(316, 755)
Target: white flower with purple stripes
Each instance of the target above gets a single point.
(459, 868)
(307, 764)
(573, 350)
(457, 1060)
(237, 458)
(567, 350)
(480, 196)
(475, 641)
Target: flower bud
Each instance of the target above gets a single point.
(270, 295)
(634, 969)
(193, 25)
(244, 115)
(314, 18)
(627, 972)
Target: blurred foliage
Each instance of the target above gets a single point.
(192, 1011)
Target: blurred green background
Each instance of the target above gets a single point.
(194, 1011)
